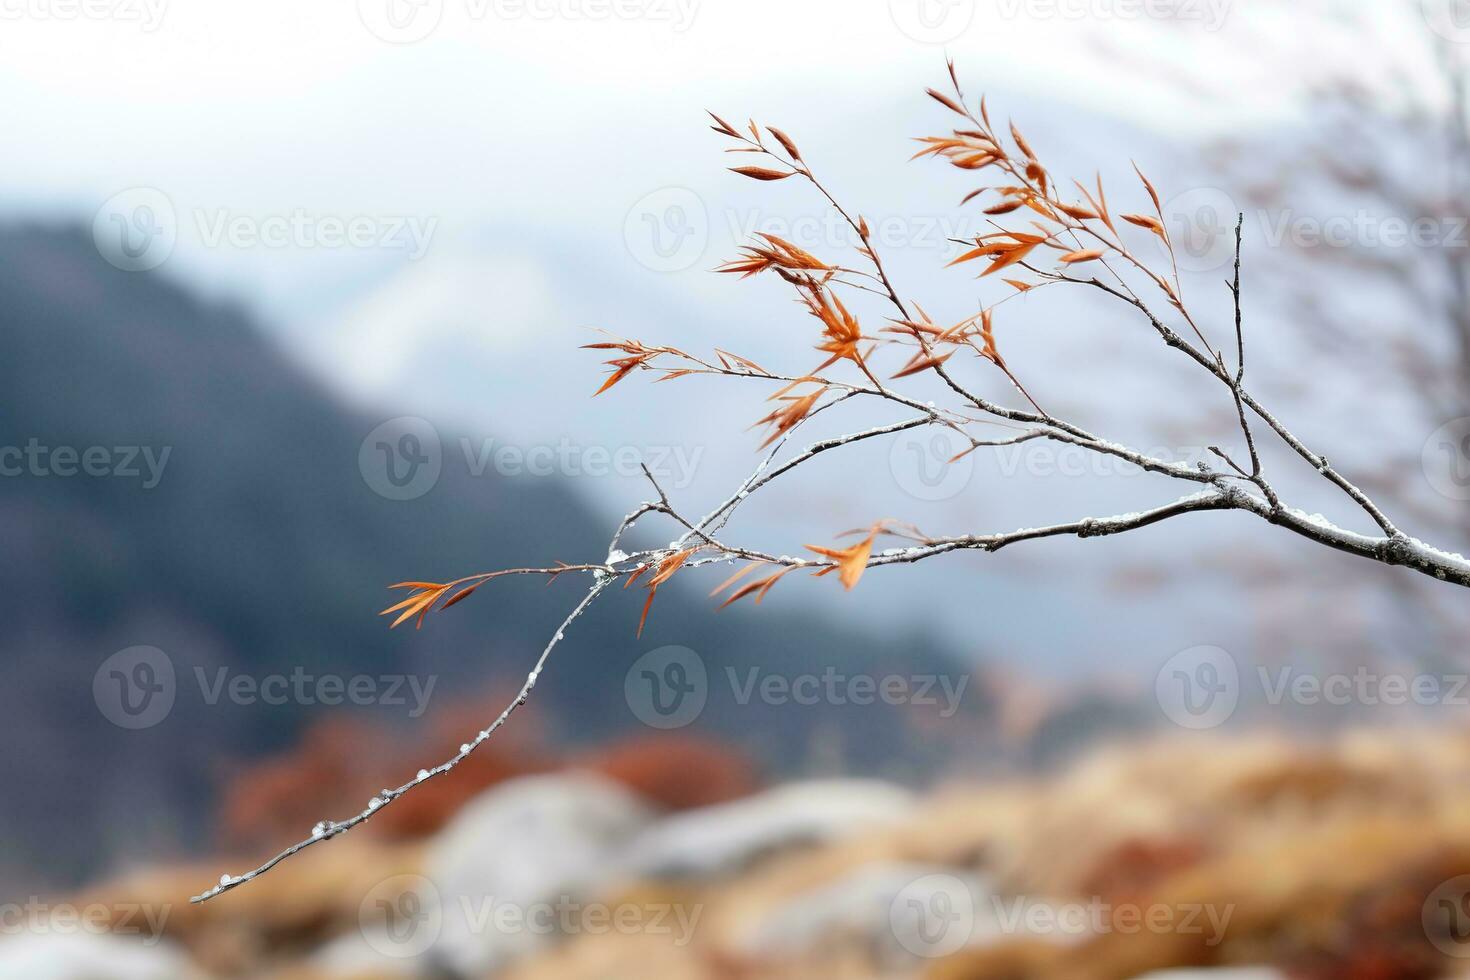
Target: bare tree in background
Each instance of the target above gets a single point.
(1364, 215)
(1356, 225)
(1048, 235)
(1391, 141)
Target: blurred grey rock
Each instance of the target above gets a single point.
(367, 953)
(513, 866)
(90, 956)
(727, 838)
(873, 909)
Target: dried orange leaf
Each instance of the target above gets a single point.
(786, 142)
(647, 604)
(1148, 184)
(922, 362)
(1021, 142)
(1147, 221)
(851, 562)
(723, 126)
(1010, 258)
(761, 173)
(946, 101)
(422, 607)
(461, 594)
(733, 579)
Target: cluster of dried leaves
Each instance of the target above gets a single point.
(1079, 231)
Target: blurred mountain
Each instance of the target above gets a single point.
(235, 534)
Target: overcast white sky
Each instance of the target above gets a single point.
(532, 110)
(263, 93)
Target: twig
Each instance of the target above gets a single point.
(329, 829)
